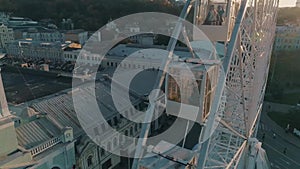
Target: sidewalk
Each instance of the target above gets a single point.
(288, 137)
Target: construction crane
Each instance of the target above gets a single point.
(229, 126)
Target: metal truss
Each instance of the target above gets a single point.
(239, 95)
(245, 85)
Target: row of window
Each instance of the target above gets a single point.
(70, 56)
(6, 31)
(288, 47)
(129, 65)
(114, 144)
(90, 162)
(288, 41)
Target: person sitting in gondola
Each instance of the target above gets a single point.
(220, 15)
(212, 16)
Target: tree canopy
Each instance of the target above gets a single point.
(86, 14)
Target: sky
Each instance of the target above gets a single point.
(285, 3)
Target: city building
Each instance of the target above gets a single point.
(44, 35)
(20, 21)
(110, 32)
(143, 39)
(287, 38)
(298, 3)
(37, 144)
(115, 57)
(51, 136)
(71, 55)
(4, 18)
(67, 24)
(138, 38)
(6, 36)
(36, 50)
(78, 36)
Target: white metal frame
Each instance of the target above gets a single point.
(245, 85)
(240, 92)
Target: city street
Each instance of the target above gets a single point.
(275, 146)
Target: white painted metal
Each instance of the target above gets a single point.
(240, 92)
(245, 85)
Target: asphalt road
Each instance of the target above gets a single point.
(275, 146)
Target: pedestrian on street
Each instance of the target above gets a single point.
(284, 151)
(263, 136)
(274, 135)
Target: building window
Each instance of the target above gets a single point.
(90, 161)
(136, 127)
(131, 131)
(107, 164)
(109, 146)
(55, 168)
(115, 142)
(109, 122)
(102, 152)
(115, 120)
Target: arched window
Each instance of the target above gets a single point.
(115, 120)
(90, 161)
(55, 168)
(109, 122)
(131, 131)
(136, 127)
(115, 142)
(102, 152)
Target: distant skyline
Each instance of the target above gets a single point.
(287, 3)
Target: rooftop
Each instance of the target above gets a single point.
(36, 132)
(75, 31)
(59, 113)
(25, 42)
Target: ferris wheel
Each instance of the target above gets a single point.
(232, 98)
